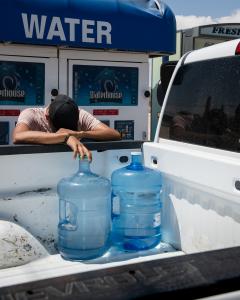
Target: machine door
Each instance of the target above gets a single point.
(24, 82)
(113, 91)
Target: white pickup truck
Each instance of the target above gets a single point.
(196, 148)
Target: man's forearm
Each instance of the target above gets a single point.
(38, 137)
(103, 135)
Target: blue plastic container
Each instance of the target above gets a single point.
(85, 214)
(136, 206)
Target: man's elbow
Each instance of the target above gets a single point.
(16, 140)
(118, 136)
(114, 134)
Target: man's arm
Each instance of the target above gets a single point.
(23, 134)
(101, 132)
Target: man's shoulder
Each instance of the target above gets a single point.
(34, 118)
(81, 110)
(33, 111)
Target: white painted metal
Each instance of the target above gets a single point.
(216, 51)
(216, 170)
(101, 55)
(28, 50)
(54, 266)
(227, 296)
(201, 203)
(33, 171)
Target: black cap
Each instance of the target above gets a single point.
(64, 113)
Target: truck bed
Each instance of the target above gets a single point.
(175, 267)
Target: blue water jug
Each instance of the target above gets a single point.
(136, 206)
(85, 214)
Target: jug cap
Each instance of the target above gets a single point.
(136, 153)
(84, 157)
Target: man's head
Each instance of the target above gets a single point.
(63, 113)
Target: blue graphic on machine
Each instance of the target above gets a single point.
(105, 85)
(22, 83)
(126, 129)
(4, 133)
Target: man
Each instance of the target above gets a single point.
(61, 122)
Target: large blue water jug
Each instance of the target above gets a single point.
(136, 206)
(85, 214)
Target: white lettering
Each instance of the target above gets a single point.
(86, 30)
(104, 29)
(72, 23)
(92, 31)
(12, 93)
(56, 29)
(105, 95)
(34, 24)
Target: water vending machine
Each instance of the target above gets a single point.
(97, 52)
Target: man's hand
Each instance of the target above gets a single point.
(78, 148)
(77, 134)
(74, 143)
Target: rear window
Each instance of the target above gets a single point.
(203, 107)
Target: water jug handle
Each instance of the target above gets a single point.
(65, 225)
(68, 215)
(115, 211)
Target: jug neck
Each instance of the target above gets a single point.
(84, 165)
(136, 161)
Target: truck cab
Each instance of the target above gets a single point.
(197, 146)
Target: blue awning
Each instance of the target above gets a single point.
(128, 25)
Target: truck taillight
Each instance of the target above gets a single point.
(237, 52)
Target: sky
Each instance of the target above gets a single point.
(191, 13)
